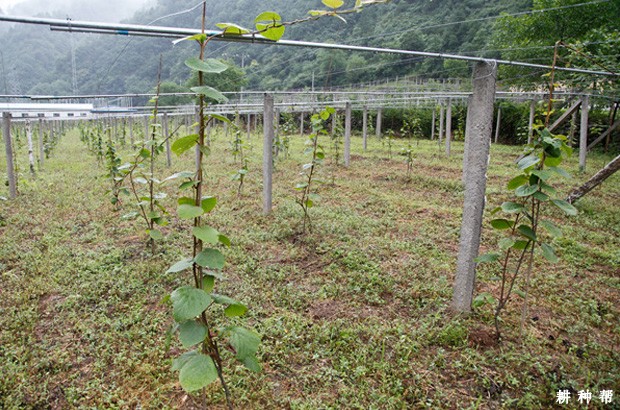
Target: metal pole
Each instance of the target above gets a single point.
(41, 147)
(448, 127)
(168, 153)
(499, 119)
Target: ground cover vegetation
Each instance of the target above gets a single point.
(353, 314)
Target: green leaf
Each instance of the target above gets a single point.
(183, 144)
(512, 207)
(206, 234)
(551, 228)
(208, 283)
(268, 16)
(191, 333)
(182, 174)
(198, 372)
(301, 186)
(334, 4)
(245, 342)
(552, 161)
(198, 37)
(188, 302)
(517, 181)
(549, 253)
(501, 224)
(527, 232)
(542, 174)
(210, 92)
(506, 243)
(155, 234)
(528, 161)
(224, 240)
(179, 362)
(271, 31)
(208, 203)
(181, 266)
(487, 257)
(565, 206)
(221, 118)
(185, 200)
(233, 309)
(520, 245)
(210, 258)
(542, 197)
(186, 211)
(209, 65)
(234, 29)
(526, 190)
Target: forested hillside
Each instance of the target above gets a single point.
(115, 64)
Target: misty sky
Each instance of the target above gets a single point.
(100, 10)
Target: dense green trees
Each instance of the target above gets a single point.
(114, 64)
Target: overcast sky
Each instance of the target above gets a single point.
(100, 10)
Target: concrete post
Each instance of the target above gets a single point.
(448, 127)
(442, 119)
(365, 128)
(478, 137)
(166, 135)
(146, 128)
(499, 122)
(530, 126)
(268, 134)
(41, 146)
(583, 133)
(131, 131)
(30, 147)
(249, 125)
(8, 147)
(378, 129)
(301, 123)
(347, 135)
(433, 124)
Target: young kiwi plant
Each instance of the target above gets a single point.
(528, 232)
(308, 171)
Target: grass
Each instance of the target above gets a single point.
(354, 315)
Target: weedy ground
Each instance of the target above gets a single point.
(353, 315)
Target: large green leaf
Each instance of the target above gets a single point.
(179, 362)
(551, 228)
(269, 25)
(198, 372)
(184, 143)
(501, 224)
(527, 232)
(565, 206)
(526, 190)
(517, 181)
(528, 161)
(549, 253)
(188, 302)
(186, 211)
(181, 266)
(511, 207)
(210, 258)
(245, 342)
(208, 203)
(209, 65)
(191, 333)
(210, 92)
(206, 234)
(233, 309)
